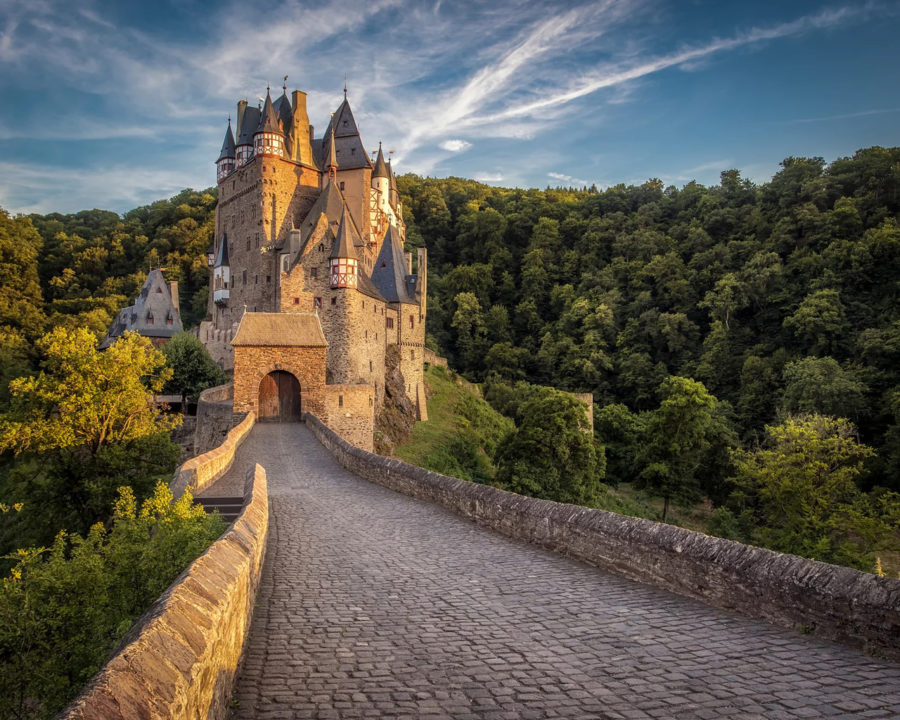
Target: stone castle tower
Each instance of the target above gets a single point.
(312, 226)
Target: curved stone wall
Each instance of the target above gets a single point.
(180, 659)
(215, 417)
(202, 471)
(834, 602)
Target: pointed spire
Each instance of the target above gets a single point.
(268, 121)
(331, 158)
(381, 170)
(227, 144)
(222, 257)
(343, 244)
(345, 86)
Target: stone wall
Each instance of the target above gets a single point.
(181, 657)
(200, 472)
(351, 413)
(434, 359)
(252, 364)
(838, 603)
(214, 417)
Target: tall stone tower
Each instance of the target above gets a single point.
(312, 226)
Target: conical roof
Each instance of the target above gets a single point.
(343, 246)
(331, 153)
(381, 170)
(268, 121)
(392, 176)
(228, 144)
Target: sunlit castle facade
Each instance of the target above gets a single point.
(313, 225)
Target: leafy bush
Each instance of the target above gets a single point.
(63, 608)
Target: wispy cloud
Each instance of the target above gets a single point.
(489, 177)
(840, 116)
(455, 145)
(568, 179)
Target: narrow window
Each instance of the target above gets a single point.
(149, 318)
(248, 244)
(367, 334)
(268, 278)
(256, 279)
(317, 302)
(314, 272)
(340, 401)
(342, 184)
(334, 301)
(296, 301)
(411, 322)
(370, 366)
(244, 275)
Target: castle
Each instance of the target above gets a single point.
(312, 296)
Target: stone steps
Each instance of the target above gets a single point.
(228, 507)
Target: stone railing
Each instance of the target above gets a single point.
(200, 472)
(839, 603)
(180, 659)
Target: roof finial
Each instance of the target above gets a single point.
(284, 87)
(345, 86)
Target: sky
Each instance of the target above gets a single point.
(115, 104)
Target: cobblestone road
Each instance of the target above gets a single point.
(373, 604)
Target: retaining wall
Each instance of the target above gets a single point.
(838, 603)
(215, 417)
(180, 659)
(200, 472)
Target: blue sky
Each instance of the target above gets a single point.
(116, 104)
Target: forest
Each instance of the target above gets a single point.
(723, 331)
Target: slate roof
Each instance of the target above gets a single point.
(351, 155)
(389, 275)
(284, 112)
(153, 301)
(331, 204)
(249, 124)
(227, 144)
(279, 330)
(222, 256)
(344, 245)
(268, 121)
(381, 170)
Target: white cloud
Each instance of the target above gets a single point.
(489, 177)
(568, 179)
(455, 145)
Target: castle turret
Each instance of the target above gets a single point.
(222, 274)
(248, 119)
(331, 159)
(344, 260)
(268, 139)
(226, 161)
(381, 179)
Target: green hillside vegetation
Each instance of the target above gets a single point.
(707, 322)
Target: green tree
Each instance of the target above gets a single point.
(820, 321)
(193, 370)
(675, 438)
(802, 484)
(84, 397)
(822, 386)
(551, 454)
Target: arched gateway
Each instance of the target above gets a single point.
(279, 398)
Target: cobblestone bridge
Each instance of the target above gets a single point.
(373, 604)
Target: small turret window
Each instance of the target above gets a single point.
(314, 272)
(149, 318)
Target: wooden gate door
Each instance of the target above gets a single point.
(279, 398)
(288, 397)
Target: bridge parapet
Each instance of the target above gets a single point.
(202, 471)
(180, 659)
(838, 603)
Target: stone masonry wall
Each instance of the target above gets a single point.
(839, 603)
(180, 659)
(214, 417)
(252, 364)
(351, 413)
(202, 471)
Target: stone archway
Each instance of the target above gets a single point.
(279, 398)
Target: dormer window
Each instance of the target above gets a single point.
(149, 318)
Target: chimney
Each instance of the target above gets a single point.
(242, 106)
(301, 128)
(173, 291)
(408, 256)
